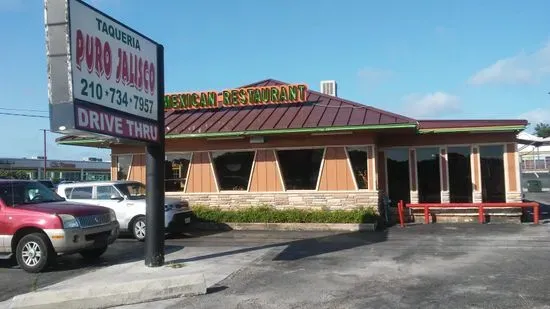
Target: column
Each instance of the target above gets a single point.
(476, 174)
(444, 174)
(511, 172)
(413, 178)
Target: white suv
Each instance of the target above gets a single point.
(127, 199)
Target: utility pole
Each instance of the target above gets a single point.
(45, 157)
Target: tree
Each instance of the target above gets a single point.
(542, 129)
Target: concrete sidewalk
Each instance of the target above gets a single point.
(189, 271)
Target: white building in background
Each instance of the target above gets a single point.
(534, 156)
(90, 169)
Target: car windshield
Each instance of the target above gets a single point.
(133, 190)
(23, 193)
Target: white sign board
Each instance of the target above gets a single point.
(104, 78)
(111, 65)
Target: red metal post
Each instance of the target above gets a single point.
(400, 213)
(426, 215)
(481, 216)
(536, 213)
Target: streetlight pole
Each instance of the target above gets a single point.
(45, 157)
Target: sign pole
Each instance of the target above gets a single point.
(154, 239)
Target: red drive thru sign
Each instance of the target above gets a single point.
(103, 75)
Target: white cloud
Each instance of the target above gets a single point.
(523, 68)
(431, 104)
(536, 115)
(371, 77)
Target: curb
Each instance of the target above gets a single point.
(331, 227)
(111, 295)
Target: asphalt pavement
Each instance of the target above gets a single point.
(14, 281)
(420, 266)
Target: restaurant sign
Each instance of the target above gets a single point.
(103, 76)
(281, 94)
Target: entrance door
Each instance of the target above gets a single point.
(397, 166)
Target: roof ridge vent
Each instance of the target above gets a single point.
(329, 87)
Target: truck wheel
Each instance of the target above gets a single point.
(92, 254)
(33, 252)
(138, 228)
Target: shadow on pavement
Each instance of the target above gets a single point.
(304, 248)
(316, 246)
(132, 252)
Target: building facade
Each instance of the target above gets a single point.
(254, 146)
(72, 170)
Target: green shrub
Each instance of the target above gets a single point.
(267, 214)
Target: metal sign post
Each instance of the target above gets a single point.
(154, 164)
(106, 81)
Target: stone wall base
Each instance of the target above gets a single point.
(513, 197)
(285, 200)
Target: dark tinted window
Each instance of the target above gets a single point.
(358, 157)
(20, 193)
(429, 183)
(492, 174)
(233, 169)
(300, 168)
(460, 176)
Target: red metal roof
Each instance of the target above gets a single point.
(321, 111)
(450, 124)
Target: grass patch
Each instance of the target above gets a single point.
(267, 214)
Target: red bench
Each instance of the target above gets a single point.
(480, 206)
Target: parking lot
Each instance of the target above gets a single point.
(422, 266)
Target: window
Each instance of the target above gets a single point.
(429, 182)
(107, 193)
(397, 165)
(132, 190)
(233, 169)
(460, 174)
(358, 157)
(81, 193)
(123, 163)
(300, 168)
(175, 174)
(492, 174)
(21, 193)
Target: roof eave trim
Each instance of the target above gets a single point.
(297, 130)
(474, 129)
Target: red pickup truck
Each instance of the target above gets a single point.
(36, 225)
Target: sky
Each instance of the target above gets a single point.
(426, 59)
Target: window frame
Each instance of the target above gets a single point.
(81, 187)
(132, 155)
(215, 174)
(321, 166)
(96, 187)
(192, 153)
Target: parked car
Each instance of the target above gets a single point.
(534, 186)
(36, 225)
(127, 199)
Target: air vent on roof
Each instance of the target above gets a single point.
(328, 87)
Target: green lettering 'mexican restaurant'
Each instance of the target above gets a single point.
(237, 97)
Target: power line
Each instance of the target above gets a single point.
(23, 115)
(23, 110)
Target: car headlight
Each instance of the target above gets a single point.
(168, 207)
(69, 222)
(112, 214)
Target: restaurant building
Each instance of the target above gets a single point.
(279, 144)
